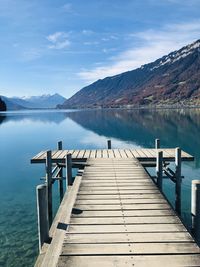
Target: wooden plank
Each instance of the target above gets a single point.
(133, 249)
(136, 153)
(116, 153)
(118, 213)
(126, 261)
(81, 154)
(63, 154)
(122, 197)
(114, 183)
(87, 153)
(122, 192)
(120, 201)
(126, 220)
(105, 153)
(75, 154)
(93, 153)
(111, 153)
(56, 154)
(123, 154)
(128, 153)
(98, 153)
(119, 188)
(136, 228)
(40, 155)
(138, 206)
(134, 237)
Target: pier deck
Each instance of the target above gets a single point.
(124, 220)
(148, 154)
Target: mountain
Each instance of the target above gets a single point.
(2, 105)
(10, 104)
(34, 102)
(170, 80)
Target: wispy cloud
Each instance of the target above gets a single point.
(30, 54)
(67, 7)
(95, 140)
(58, 40)
(87, 32)
(152, 44)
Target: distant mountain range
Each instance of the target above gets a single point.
(33, 102)
(171, 80)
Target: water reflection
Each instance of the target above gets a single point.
(34, 116)
(173, 127)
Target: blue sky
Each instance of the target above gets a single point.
(60, 46)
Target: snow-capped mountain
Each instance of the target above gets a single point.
(172, 79)
(32, 102)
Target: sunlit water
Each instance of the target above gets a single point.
(24, 134)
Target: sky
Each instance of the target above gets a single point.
(60, 46)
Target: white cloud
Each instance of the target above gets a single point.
(67, 7)
(153, 44)
(91, 43)
(30, 54)
(58, 40)
(101, 141)
(87, 32)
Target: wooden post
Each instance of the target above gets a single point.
(159, 161)
(178, 180)
(109, 144)
(195, 209)
(157, 143)
(42, 213)
(49, 186)
(69, 170)
(60, 182)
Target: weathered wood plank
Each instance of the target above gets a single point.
(118, 213)
(81, 154)
(93, 154)
(120, 201)
(136, 206)
(122, 192)
(126, 220)
(116, 153)
(150, 228)
(117, 196)
(134, 237)
(128, 261)
(133, 249)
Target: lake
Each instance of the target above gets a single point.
(23, 134)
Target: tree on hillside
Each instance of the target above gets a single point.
(2, 105)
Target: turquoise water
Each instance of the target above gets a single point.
(24, 134)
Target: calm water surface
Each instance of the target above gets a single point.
(23, 134)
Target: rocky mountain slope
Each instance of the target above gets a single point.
(172, 79)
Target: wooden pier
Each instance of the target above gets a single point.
(114, 214)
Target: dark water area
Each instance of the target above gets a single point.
(24, 134)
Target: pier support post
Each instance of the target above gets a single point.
(157, 143)
(195, 209)
(178, 180)
(109, 144)
(69, 170)
(49, 186)
(42, 213)
(60, 182)
(159, 161)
